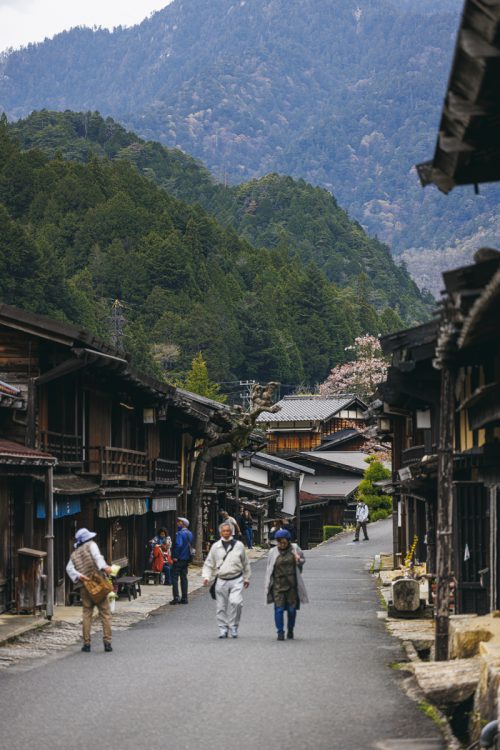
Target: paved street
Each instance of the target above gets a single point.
(171, 682)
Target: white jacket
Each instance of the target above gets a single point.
(236, 562)
(361, 512)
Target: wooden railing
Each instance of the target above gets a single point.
(165, 472)
(412, 455)
(66, 448)
(116, 464)
(222, 477)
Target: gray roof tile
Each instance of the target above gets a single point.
(306, 408)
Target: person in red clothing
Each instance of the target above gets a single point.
(160, 557)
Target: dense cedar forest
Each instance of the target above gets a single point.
(344, 94)
(90, 215)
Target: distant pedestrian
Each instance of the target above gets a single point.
(84, 561)
(224, 516)
(227, 562)
(361, 519)
(284, 585)
(271, 537)
(248, 536)
(240, 520)
(288, 526)
(181, 557)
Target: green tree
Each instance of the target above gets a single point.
(198, 381)
(379, 504)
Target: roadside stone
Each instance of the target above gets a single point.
(406, 595)
(466, 634)
(448, 683)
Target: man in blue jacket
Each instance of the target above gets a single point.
(181, 556)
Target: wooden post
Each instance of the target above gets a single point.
(49, 515)
(297, 509)
(31, 414)
(444, 530)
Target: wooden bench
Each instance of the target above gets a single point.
(151, 577)
(129, 585)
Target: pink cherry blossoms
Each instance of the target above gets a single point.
(360, 376)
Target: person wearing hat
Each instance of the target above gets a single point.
(84, 561)
(228, 564)
(181, 557)
(284, 585)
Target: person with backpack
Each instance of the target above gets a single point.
(181, 557)
(228, 570)
(84, 561)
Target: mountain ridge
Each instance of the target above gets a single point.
(274, 210)
(346, 95)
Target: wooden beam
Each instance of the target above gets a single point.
(444, 531)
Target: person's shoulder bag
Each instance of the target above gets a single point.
(98, 587)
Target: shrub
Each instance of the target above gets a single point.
(377, 515)
(379, 505)
(329, 531)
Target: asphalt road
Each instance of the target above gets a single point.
(171, 683)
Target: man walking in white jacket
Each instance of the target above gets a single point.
(361, 520)
(227, 564)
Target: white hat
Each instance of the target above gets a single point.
(183, 520)
(83, 535)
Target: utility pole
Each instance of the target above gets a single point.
(246, 395)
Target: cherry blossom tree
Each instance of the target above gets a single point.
(362, 374)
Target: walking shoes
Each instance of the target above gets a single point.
(281, 635)
(86, 648)
(108, 647)
(223, 634)
(234, 632)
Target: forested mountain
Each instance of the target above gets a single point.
(270, 212)
(346, 94)
(76, 236)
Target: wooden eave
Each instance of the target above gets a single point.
(483, 407)
(481, 324)
(410, 390)
(52, 330)
(475, 276)
(412, 339)
(467, 151)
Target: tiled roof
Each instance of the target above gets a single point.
(306, 408)
(332, 486)
(10, 449)
(349, 459)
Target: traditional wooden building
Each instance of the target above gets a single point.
(273, 484)
(325, 496)
(467, 152)
(410, 419)
(19, 468)
(305, 423)
(461, 348)
(124, 443)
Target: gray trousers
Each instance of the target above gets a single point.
(361, 525)
(229, 599)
